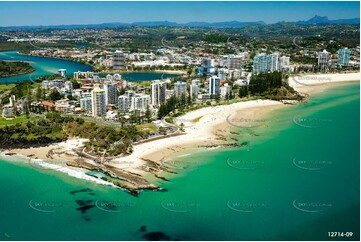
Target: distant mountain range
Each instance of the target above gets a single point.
(316, 20)
(230, 24)
(324, 20)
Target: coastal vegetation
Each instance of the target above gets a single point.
(271, 86)
(6, 45)
(41, 131)
(30, 134)
(12, 68)
(170, 105)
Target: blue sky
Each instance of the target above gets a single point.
(54, 13)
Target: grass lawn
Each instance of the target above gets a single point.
(36, 85)
(18, 119)
(147, 127)
(4, 87)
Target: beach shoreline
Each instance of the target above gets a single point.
(171, 72)
(315, 83)
(208, 127)
(249, 109)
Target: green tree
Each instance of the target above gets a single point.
(243, 91)
(38, 94)
(27, 103)
(76, 84)
(217, 97)
(55, 95)
(148, 114)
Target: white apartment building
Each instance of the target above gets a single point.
(68, 85)
(324, 60)
(196, 82)
(194, 90)
(265, 63)
(111, 92)
(214, 85)
(98, 102)
(79, 74)
(86, 101)
(158, 92)
(180, 88)
(225, 91)
(123, 104)
(284, 62)
(140, 102)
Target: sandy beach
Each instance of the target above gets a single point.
(171, 72)
(59, 151)
(206, 127)
(310, 84)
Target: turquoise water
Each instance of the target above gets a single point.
(44, 66)
(297, 179)
(49, 66)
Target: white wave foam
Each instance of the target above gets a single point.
(74, 173)
(214, 147)
(68, 171)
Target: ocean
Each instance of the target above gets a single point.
(294, 177)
